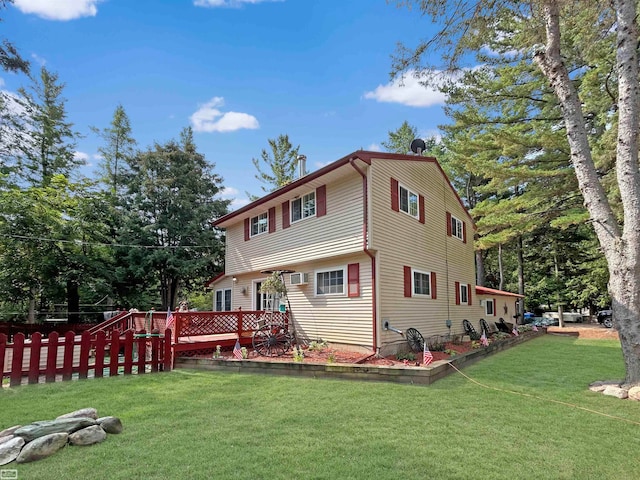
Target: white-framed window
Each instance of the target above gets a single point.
(331, 281)
(457, 230)
(303, 207)
(408, 201)
(259, 224)
(464, 294)
(421, 283)
(489, 308)
(223, 300)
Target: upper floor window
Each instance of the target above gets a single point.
(408, 201)
(457, 230)
(330, 282)
(303, 207)
(259, 224)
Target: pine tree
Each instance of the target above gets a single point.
(281, 161)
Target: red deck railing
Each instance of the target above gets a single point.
(59, 358)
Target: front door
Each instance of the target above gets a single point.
(259, 299)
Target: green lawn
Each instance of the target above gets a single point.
(193, 424)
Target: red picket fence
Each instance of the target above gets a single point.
(58, 358)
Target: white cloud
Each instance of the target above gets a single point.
(374, 147)
(230, 193)
(38, 59)
(81, 156)
(407, 90)
(208, 118)
(228, 3)
(58, 9)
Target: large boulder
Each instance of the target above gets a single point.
(82, 413)
(634, 393)
(617, 392)
(10, 450)
(9, 431)
(6, 438)
(47, 427)
(600, 386)
(42, 447)
(110, 424)
(88, 436)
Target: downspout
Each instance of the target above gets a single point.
(365, 248)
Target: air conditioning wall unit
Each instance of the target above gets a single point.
(299, 278)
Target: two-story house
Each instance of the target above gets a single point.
(372, 240)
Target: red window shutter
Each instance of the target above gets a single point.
(464, 232)
(421, 207)
(353, 275)
(469, 301)
(495, 307)
(286, 220)
(407, 281)
(395, 200)
(448, 224)
(457, 293)
(272, 219)
(434, 287)
(246, 229)
(321, 201)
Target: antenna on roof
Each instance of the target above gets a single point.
(418, 146)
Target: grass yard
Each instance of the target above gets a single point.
(207, 425)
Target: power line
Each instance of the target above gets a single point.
(98, 244)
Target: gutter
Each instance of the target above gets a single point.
(365, 249)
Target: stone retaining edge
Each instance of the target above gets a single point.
(384, 373)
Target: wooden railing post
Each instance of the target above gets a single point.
(128, 352)
(113, 354)
(100, 344)
(69, 346)
(3, 349)
(52, 357)
(240, 323)
(34, 357)
(168, 351)
(16, 361)
(85, 352)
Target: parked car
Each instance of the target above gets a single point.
(566, 316)
(605, 317)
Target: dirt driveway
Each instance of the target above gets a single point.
(585, 330)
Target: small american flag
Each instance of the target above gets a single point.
(483, 340)
(515, 331)
(170, 319)
(534, 328)
(237, 351)
(427, 356)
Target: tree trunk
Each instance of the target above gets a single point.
(31, 318)
(480, 273)
(520, 314)
(621, 249)
(500, 268)
(73, 302)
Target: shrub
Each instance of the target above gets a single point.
(405, 356)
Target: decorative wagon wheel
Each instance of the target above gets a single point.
(484, 327)
(414, 337)
(271, 340)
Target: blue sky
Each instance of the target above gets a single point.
(238, 71)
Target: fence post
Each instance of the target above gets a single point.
(52, 357)
(99, 346)
(154, 353)
(34, 357)
(16, 361)
(141, 343)
(128, 352)
(168, 350)
(85, 351)
(113, 354)
(3, 349)
(69, 346)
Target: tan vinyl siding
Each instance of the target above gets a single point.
(402, 240)
(223, 284)
(501, 302)
(338, 232)
(336, 319)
